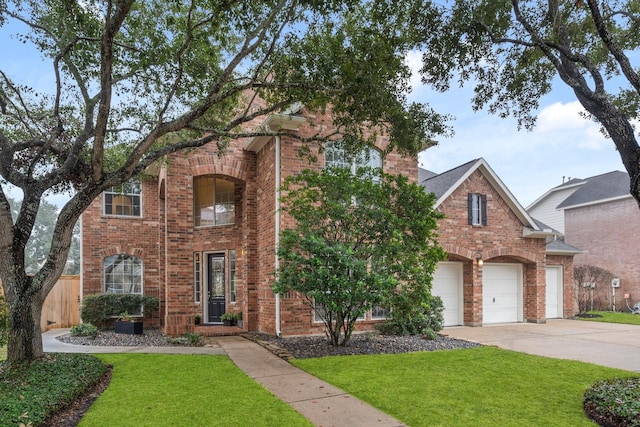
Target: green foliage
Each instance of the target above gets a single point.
(414, 312)
(484, 386)
(233, 317)
(31, 392)
(4, 321)
(98, 309)
(84, 330)
(356, 240)
(194, 339)
(612, 317)
(614, 402)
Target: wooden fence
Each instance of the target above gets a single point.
(62, 307)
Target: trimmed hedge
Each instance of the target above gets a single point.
(99, 309)
(614, 402)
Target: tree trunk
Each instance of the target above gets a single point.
(25, 335)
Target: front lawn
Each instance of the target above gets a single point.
(612, 317)
(484, 386)
(189, 390)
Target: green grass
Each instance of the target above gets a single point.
(485, 386)
(613, 317)
(193, 390)
(3, 353)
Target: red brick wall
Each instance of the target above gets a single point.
(607, 231)
(500, 240)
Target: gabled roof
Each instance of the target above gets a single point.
(574, 183)
(444, 184)
(598, 189)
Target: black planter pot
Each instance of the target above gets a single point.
(227, 322)
(131, 328)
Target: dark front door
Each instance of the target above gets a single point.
(216, 287)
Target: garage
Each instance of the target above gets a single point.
(447, 284)
(554, 292)
(501, 293)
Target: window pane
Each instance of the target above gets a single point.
(123, 199)
(475, 209)
(196, 277)
(123, 274)
(232, 276)
(334, 156)
(225, 202)
(203, 200)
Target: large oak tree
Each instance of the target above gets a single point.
(512, 50)
(136, 81)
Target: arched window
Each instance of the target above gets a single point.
(123, 274)
(213, 201)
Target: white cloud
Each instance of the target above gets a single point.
(561, 116)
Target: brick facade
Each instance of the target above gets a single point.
(607, 232)
(500, 241)
(166, 240)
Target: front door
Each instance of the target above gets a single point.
(216, 287)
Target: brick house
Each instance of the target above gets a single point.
(201, 232)
(599, 215)
(502, 265)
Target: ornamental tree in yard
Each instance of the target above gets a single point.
(512, 50)
(357, 241)
(132, 82)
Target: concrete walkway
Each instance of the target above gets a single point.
(320, 402)
(606, 344)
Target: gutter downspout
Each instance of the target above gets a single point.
(277, 227)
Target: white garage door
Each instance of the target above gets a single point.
(447, 284)
(554, 292)
(501, 293)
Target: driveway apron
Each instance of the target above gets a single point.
(607, 344)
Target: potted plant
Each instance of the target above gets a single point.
(229, 319)
(127, 324)
(239, 320)
(196, 319)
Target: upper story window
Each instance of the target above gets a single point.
(477, 205)
(123, 274)
(335, 155)
(213, 201)
(123, 199)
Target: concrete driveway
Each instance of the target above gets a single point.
(606, 344)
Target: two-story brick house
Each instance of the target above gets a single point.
(201, 233)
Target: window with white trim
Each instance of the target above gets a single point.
(477, 206)
(213, 201)
(196, 276)
(123, 199)
(123, 274)
(335, 156)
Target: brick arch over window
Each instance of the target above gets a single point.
(213, 165)
(117, 250)
(505, 251)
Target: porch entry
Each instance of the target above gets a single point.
(215, 287)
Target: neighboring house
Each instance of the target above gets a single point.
(600, 216)
(502, 265)
(201, 232)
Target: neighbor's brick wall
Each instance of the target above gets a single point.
(500, 240)
(607, 231)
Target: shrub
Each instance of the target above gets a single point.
(84, 330)
(614, 402)
(194, 339)
(407, 318)
(98, 309)
(32, 392)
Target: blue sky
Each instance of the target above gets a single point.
(563, 144)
